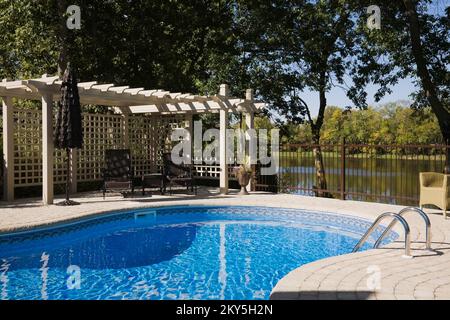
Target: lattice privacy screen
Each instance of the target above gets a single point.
(28, 150)
(27, 147)
(149, 137)
(100, 132)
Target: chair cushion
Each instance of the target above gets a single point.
(118, 163)
(432, 179)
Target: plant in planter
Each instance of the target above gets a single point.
(243, 173)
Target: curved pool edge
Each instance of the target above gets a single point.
(374, 274)
(79, 217)
(22, 219)
(100, 214)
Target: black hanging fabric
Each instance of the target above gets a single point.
(68, 132)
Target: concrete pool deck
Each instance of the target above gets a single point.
(372, 274)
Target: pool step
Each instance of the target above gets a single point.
(145, 214)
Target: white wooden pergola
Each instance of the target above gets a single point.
(123, 99)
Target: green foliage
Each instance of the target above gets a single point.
(278, 47)
(292, 46)
(387, 125)
(263, 122)
(175, 45)
(413, 42)
(27, 48)
(385, 55)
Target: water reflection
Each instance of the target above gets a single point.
(44, 275)
(222, 261)
(4, 278)
(372, 179)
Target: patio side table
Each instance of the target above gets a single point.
(154, 180)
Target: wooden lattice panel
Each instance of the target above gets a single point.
(27, 147)
(100, 132)
(163, 127)
(211, 171)
(149, 138)
(28, 150)
(142, 144)
(206, 171)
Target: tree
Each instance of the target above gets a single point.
(175, 45)
(413, 42)
(387, 125)
(291, 46)
(62, 36)
(439, 102)
(27, 44)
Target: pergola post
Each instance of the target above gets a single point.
(224, 92)
(250, 124)
(189, 126)
(47, 148)
(8, 149)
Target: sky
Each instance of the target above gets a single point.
(337, 97)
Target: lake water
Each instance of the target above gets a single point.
(390, 180)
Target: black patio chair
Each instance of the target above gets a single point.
(118, 173)
(178, 174)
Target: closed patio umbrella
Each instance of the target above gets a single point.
(68, 131)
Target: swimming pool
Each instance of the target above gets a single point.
(182, 252)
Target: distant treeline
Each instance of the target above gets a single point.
(390, 124)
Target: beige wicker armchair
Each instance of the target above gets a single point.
(435, 189)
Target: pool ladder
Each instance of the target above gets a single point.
(397, 217)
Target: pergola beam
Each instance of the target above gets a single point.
(86, 85)
(103, 87)
(118, 90)
(133, 91)
(123, 96)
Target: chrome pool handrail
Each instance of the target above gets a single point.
(375, 224)
(401, 213)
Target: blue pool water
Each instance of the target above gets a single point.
(172, 253)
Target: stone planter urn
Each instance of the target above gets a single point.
(243, 175)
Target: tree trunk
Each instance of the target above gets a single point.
(62, 38)
(442, 113)
(321, 180)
